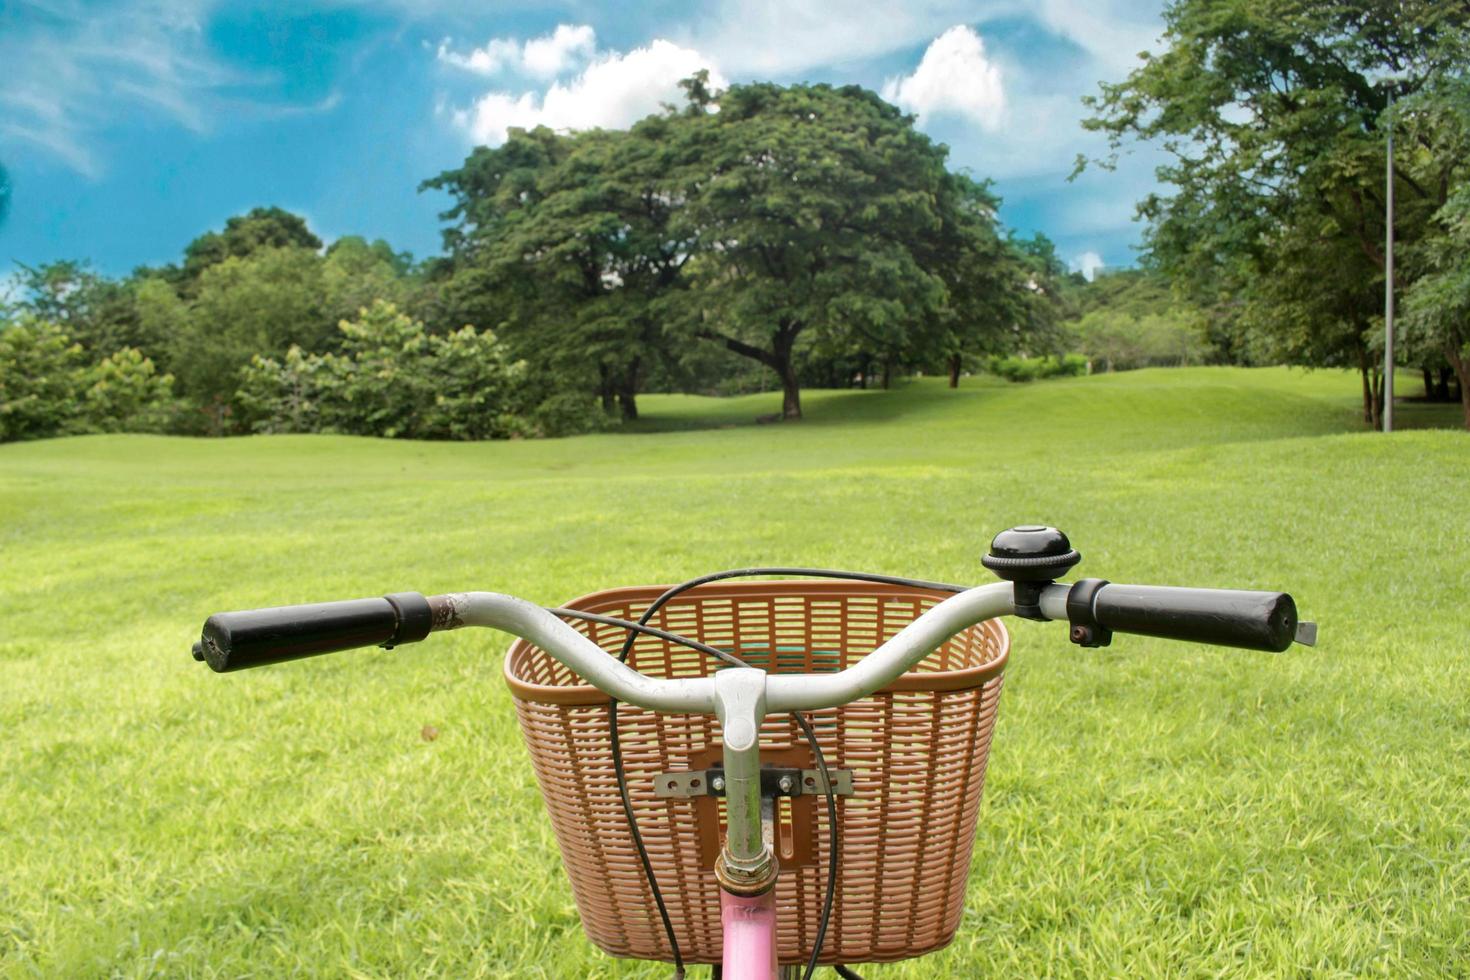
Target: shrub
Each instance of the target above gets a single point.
(47, 388)
(477, 391)
(280, 396)
(394, 379)
(1033, 368)
(124, 393)
(567, 413)
(39, 380)
(1119, 341)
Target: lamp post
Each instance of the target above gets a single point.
(1388, 281)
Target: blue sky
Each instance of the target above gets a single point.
(129, 128)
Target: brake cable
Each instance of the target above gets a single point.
(620, 772)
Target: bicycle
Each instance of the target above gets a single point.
(768, 810)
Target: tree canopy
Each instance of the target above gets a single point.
(244, 234)
(1273, 114)
(776, 222)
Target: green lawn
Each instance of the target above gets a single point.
(1152, 808)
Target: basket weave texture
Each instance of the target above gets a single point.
(917, 751)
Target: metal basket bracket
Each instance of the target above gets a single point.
(775, 781)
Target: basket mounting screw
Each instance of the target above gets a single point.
(787, 784)
(717, 784)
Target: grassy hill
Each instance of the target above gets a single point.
(1151, 808)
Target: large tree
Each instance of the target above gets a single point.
(1272, 114)
(776, 222)
(491, 192)
(985, 277)
(816, 210)
(582, 234)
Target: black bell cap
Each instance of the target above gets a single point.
(1031, 553)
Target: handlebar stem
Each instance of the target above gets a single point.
(740, 704)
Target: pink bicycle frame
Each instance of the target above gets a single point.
(749, 923)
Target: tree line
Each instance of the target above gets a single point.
(779, 237)
(803, 234)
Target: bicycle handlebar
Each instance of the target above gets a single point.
(256, 637)
(1220, 617)
(1254, 620)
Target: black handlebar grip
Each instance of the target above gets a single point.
(256, 637)
(1222, 617)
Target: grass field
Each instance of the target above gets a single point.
(1151, 809)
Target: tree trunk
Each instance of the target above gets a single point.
(887, 371)
(1428, 385)
(605, 388)
(863, 372)
(778, 359)
(1452, 351)
(217, 412)
(1372, 389)
(1367, 393)
(954, 370)
(781, 344)
(1372, 392)
(1378, 394)
(628, 404)
(790, 389)
(1445, 374)
(628, 390)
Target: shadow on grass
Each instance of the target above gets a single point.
(1416, 413)
(820, 407)
(1138, 398)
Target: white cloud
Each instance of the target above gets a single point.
(1088, 263)
(812, 34)
(549, 56)
(1112, 32)
(615, 90)
(954, 77)
(544, 57)
(496, 56)
(783, 38)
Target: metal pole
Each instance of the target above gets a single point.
(1388, 285)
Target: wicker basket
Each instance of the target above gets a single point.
(917, 751)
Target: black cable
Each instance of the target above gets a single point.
(833, 848)
(628, 624)
(845, 973)
(621, 774)
(807, 730)
(797, 716)
(802, 572)
(658, 898)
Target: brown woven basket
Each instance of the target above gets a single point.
(917, 751)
